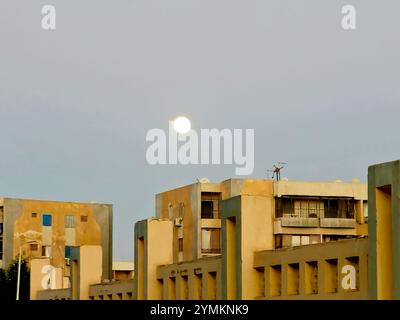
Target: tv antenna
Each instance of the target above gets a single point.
(276, 172)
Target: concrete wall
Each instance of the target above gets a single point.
(354, 190)
(114, 290)
(153, 247)
(384, 225)
(247, 226)
(285, 273)
(169, 202)
(86, 270)
(194, 280)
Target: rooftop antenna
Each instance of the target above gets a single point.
(276, 172)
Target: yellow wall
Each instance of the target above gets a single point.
(257, 234)
(190, 197)
(90, 269)
(159, 252)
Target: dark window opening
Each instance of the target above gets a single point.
(180, 244)
(207, 210)
(278, 241)
(84, 218)
(34, 215)
(68, 252)
(283, 206)
(287, 207)
(339, 208)
(210, 205)
(46, 220)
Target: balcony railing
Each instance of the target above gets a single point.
(211, 250)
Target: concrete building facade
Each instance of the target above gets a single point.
(277, 240)
(51, 229)
(215, 230)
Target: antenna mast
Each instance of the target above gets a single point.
(276, 172)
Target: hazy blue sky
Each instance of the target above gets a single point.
(76, 103)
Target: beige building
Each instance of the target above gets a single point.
(51, 229)
(203, 243)
(84, 273)
(277, 240)
(300, 212)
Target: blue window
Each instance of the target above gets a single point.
(46, 220)
(68, 252)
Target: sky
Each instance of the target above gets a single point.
(76, 102)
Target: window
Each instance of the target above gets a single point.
(284, 206)
(1, 248)
(68, 252)
(207, 210)
(210, 241)
(296, 241)
(210, 205)
(339, 208)
(1, 229)
(315, 238)
(46, 251)
(365, 207)
(180, 244)
(69, 221)
(33, 247)
(299, 208)
(306, 208)
(46, 220)
(34, 215)
(181, 209)
(170, 211)
(84, 218)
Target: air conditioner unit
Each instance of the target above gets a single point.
(178, 222)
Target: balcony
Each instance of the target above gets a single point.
(211, 251)
(338, 223)
(289, 221)
(324, 213)
(210, 241)
(211, 223)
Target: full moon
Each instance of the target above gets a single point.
(182, 125)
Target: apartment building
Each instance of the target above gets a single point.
(51, 229)
(300, 212)
(209, 232)
(278, 240)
